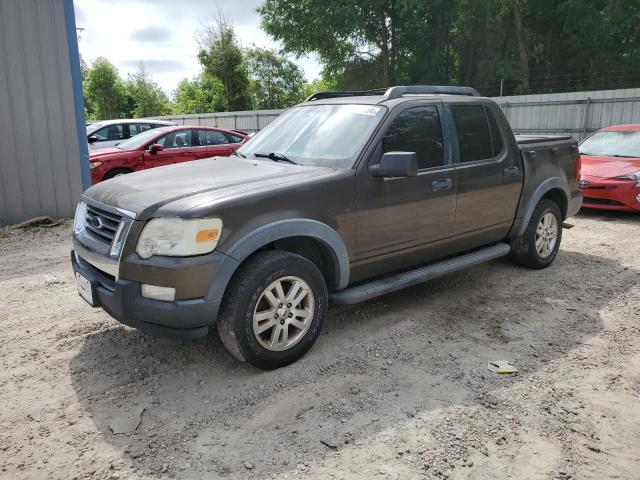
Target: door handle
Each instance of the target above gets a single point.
(444, 184)
(511, 171)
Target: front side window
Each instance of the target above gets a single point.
(417, 130)
(109, 133)
(474, 139)
(322, 135)
(178, 139)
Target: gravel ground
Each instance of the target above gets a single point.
(394, 388)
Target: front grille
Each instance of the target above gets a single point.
(602, 201)
(102, 225)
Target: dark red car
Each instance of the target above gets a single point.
(610, 177)
(164, 146)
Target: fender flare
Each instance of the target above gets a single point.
(266, 234)
(542, 189)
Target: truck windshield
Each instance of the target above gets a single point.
(321, 135)
(612, 144)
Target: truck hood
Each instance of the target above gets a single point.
(142, 193)
(608, 167)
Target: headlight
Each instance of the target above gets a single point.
(179, 237)
(93, 165)
(631, 176)
(80, 218)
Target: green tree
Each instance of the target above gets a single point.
(341, 32)
(222, 58)
(531, 45)
(105, 93)
(276, 82)
(201, 94)
(145, 97)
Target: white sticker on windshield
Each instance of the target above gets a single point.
(362, 109)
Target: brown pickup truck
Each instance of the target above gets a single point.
(345, 197)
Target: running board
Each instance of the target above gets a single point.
(398, 281)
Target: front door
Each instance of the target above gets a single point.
(176, 148)
(489, 175)
(399, 217)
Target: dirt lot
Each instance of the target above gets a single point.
(396, 388)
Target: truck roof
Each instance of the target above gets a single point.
(393, 95)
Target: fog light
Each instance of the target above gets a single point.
(638, 197)
(166, 294)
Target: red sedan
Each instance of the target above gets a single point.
(163, 146)
(610, 177)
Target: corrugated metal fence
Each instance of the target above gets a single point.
(575, 113)
(248, 121)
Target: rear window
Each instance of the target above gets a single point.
(474, 137)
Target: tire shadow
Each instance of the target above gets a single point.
(374, 366)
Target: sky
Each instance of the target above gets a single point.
(162, 33)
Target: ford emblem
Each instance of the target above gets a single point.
(583, 183)
(96, 222)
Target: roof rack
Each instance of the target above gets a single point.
(397, 92)
(359, 93)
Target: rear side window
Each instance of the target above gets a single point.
(417, 130)
(234, 138)
(136, 128)
(474, 139)
(216, 138)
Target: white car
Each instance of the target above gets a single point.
(111, 132)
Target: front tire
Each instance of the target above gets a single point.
(116, 172)
(539, 245)
(273, 309)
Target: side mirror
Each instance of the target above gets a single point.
(92, 139)
(155, 148)
(396, 164)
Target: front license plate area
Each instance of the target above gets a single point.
(85, 290)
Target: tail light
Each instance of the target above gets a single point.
(578, 167)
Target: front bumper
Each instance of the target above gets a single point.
(611, 194)
(181, 319)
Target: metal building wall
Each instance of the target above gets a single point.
(41, 116)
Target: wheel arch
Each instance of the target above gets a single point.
(301, 236)
(555, 189)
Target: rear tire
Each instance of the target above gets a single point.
(116, 173)
(273, 309)
(539, 245)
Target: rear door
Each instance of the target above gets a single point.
(489, 174)
(176, 148)
(405, 215)
(218, 144)
(200, 144)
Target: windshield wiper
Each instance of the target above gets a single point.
(235, 152)
(276, 157)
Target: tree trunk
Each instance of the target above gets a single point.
(522, 47)
(384, 51)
